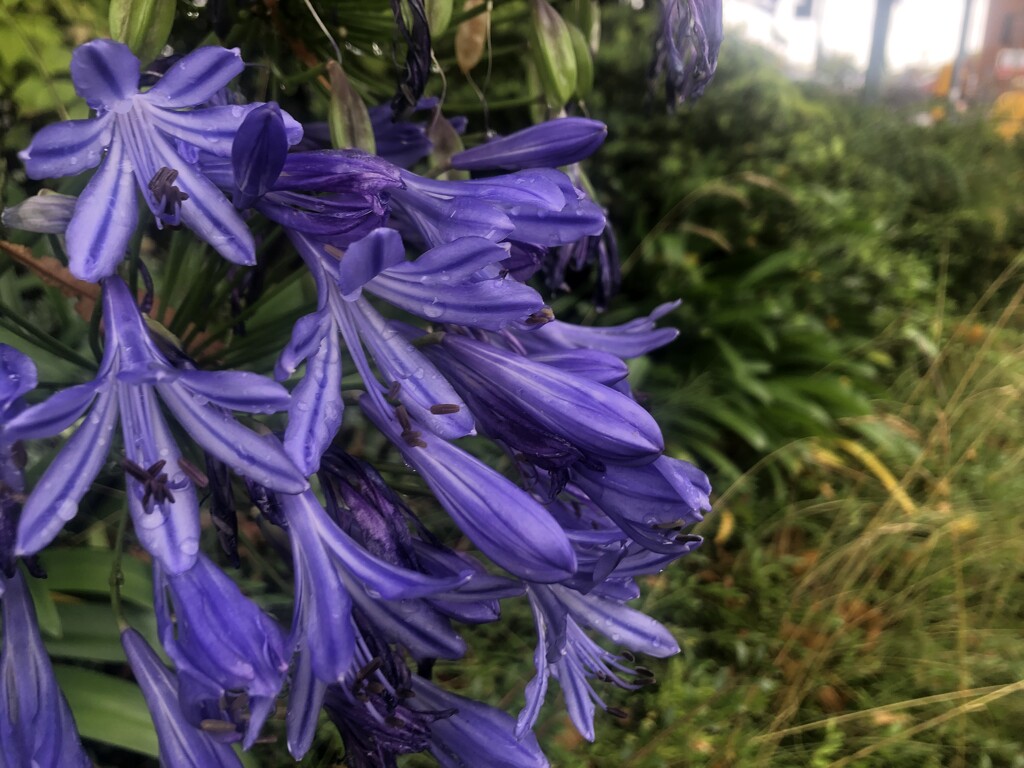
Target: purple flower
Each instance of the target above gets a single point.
(144, 141)
(36, 727)
(528, 403)
(181, 743)
(220, 639)
(566, 652)
(686, 47)
(17, 377)
(332, 572)
(504, 521)
(161, 495)
(548, 145)
(475, 734)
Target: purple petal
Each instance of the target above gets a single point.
(619, 623)
(553, 143)
(421, 385)
(67, 149)
(167, 529)
(127, 337)
(338, 170)
(55, 498)
(314, 416)
(537, 688)
(17, 376)
(53, 415)
(452, 261)
(499, 517)
(104, 73)
(195, 78)
(632, 339)
(600, 367)
(366, 258)
(181, 744)
(476, 735)
(258, 154)
(323, 607)
(579, 702)
(444, 221)
(307, 336)
(237, 390)
(305, 699)
(213, 129)
(241, 449)
(36, 727)
(597, 419)
(105, 218)
(207, 212)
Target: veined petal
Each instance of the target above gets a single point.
(323, 607)
(555, 142)
(104, 73)
(499, 517)
(632, 339)
(258, 154)
(619, 623)
(213, 129)
(167, 525)
(195, 78)
(597, 419)
(307, 335)
(55, 498)
(127, 337)
(421, 385)
(67, 148)
(17, 377)
(181, 744)
(476, 734)
(366, 258)
(379, 577)
(207, 212)
(456, 261)
(314, 416)
(53, 415)
(241, 449)
(305, 699)
(36, 727)
(601, 367)
(237, 390)
(104, 219)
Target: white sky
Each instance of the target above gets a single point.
(922, 32)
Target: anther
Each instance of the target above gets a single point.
(441, 409)
(541, 317)
(331, 250)
(168, 196)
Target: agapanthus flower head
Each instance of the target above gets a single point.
(686, 48)
(144, 141)
(161, 494)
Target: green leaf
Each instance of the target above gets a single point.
(108, 709)
(90, 631)
(87, 571)
(46, 611)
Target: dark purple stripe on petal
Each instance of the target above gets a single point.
(194, 79)
(104, 73)
(67, 149)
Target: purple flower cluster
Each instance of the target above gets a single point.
(420, 292)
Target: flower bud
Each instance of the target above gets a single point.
(143, 25)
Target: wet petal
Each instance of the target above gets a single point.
(555, 142)
(194, 79)
(237, 390)
(104, 73)
(67, 149)
(366, 258)
(55, 498)
(181, 744)
(104, 219)
(241, 449)
(619, 623)
(213, 129)
(53, 415)
(314, 416)
(258, 154)
(305, 699)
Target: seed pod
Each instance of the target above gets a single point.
(347, 116)
(553, 53)
(142, 25)
(584, 62)
(471, 37)
(439, 15)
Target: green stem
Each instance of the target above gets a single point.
(116, 573)
(17, 326)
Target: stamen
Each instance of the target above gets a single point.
(540, 318)
(331, 250)
(154, 482)
(441, 409)
(167, 196)
(193, 473)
